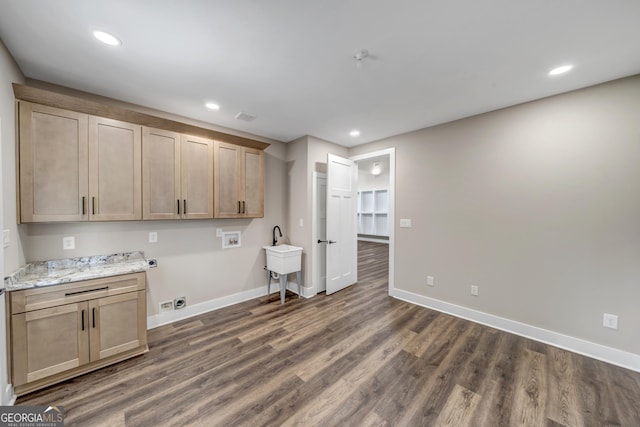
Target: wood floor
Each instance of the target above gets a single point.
(355, 358)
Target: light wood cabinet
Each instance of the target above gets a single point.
(76, 167)
(196, 159)
(238, 181)
(53, 157)
(61, 331)
(80, 167)
(115, 166)
(177, 175)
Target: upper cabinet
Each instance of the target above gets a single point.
(196, 159)
(177, 175)
(238, 181)
(115, 186)
(161, 191)
(76, 167)
(89, 161)
(53, 155)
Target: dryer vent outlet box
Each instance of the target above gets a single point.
(179, 303)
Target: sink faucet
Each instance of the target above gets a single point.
(275, 239)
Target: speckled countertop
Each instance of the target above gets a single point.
(58, 271)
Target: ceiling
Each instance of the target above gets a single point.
(290, 62)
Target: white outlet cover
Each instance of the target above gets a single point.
(610, 321)
(474, 290)
(218, 232)
(301, 222)
(153, 236)
(405, 223)
(68, 243)
(429, 280)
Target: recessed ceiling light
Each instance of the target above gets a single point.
(354, 133)
(560, 70)
(212, 106)
(106, 38)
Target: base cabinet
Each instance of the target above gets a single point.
(61, 331)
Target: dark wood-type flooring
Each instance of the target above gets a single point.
(355, 358)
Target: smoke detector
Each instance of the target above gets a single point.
(245, 116)
(360, 54)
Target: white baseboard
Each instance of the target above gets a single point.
(167, 317)
(596, 351)
(8, 397)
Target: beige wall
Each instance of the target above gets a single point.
(191, 260)
(10, 257)
(536, 204)
(304, 156)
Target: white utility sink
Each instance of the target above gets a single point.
(284, 259)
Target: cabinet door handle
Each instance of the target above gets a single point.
(82, 319)
(184, 206)
(93, 317)
(93, 205)
(84, 210)
(244, 210)
(239, 207)
(178, 206)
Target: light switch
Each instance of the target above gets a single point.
(153, 236)
(218, 232)
(405, 223)
(68, 243)
(6, 238)
(301, 222)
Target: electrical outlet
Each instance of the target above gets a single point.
(6, 238)
(218, 232)
(405, 223)
(610, 321)
(474, 290)
(429, 280)
(166, 306)
(153, 236)
(68, 243)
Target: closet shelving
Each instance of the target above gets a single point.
(373, 212)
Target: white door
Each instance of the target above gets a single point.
(321, 232)
(342, 257)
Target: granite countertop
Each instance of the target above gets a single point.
(56, 272)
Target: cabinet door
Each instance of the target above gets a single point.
(253, 183)
(196, 168)
(238, 181)
(117, 324)
(160, 174)
(49, 341)
(227, 180)
(115, 179)
(53, 164)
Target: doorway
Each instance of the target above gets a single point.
(373, 237)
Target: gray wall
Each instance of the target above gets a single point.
(536, 204)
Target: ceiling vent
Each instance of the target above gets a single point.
(245, 116)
